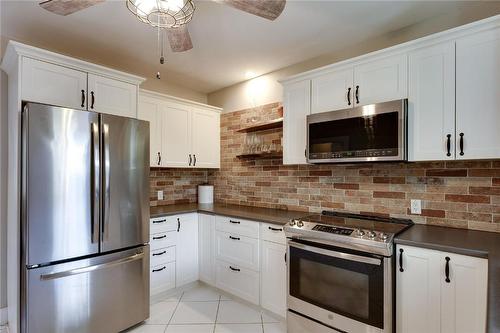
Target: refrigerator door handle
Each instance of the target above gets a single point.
(58, 275)
(95, 186)
(105, 213)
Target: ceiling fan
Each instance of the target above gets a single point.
(171, 15)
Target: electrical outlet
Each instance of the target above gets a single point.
(416, 206)
(160, 195)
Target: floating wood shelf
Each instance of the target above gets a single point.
(272, 124)
(261, 155)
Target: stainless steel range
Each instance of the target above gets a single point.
(340, 269)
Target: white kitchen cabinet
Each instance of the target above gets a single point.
(431, 103)
(111, 96)
(48, 83)
(205, 129)
(187, 249)
(237, 249)
(150, 110)
(273, 277)
(381, 80)
(297, 105)
(206, 253)
(162, 278)
(427, 301)
(478, 95)
(176, 137)
(238, 281)
(332, 91)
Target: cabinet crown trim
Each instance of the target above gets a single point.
(154, 94)
(15, 50)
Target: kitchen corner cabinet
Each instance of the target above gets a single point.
(439, 291)
(297, 105)
(187, 249)
(183, 134)
(50, 83)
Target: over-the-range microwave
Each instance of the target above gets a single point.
(369, 133)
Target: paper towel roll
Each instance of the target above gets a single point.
(205, 194)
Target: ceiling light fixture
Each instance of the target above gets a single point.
(164, 14)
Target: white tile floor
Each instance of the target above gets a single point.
(202, 309)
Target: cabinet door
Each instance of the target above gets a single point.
(206, 239)
(112, 96)
(381, 80)
(478, 95)
(187, 249)
(431, 103)
(52, 84)
(332, 91)
(149, 110)
(417, 290)
(463, 296)
(205, 133)
(297, 105)
(273, 277)
(176, 136)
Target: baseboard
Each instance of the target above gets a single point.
(3, 316)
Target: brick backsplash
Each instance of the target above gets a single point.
(178, 185)
(462, 194)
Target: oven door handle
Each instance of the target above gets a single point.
(336, 254)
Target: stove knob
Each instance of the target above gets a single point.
(359, 232)
(371, 234)
(383, 236)
(300, 224)
(292, 222)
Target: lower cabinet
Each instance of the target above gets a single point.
(238, 281)
(187, 249)
(440, 291)
(273, 277)
(162, 278)
(206, 246)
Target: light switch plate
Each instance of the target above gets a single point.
(416, 206)
(160, 195)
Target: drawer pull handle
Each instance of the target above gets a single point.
(178, 224)
(447, 270)
(401, 269)
(159, 269)
(234, 238)
(234, 222)
(159, 253)
(234, 269)
(275, 229)
(159, 237)
(160, 221)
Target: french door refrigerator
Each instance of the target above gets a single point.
(84, 221)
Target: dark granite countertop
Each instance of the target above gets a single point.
(269, 215)
(480, 244)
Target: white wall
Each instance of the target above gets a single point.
(3, 189)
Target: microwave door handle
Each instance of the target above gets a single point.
(336, 254)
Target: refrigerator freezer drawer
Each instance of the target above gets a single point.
(103, 294)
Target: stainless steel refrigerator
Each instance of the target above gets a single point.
(84, 221)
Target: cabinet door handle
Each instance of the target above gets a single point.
(357, 94)
(234, 222)
(447, 270)
(92, 99)
(178, 224)
(194, 157)
(461, 144)
(159, 253)
(234, 269)
(285, 257)
(448, 144)
(159, 269)
(160, 221)
(275, 229)
(234, 238)
(190, 160)
(401, 260)
(83, 98)
(159, 158)
(349, 96)
(159, 237)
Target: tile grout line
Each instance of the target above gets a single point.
(173, 312)
(262, 321)
(217, 313)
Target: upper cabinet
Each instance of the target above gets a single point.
(111, 96)
(478, 95)
(297, 105)
(183, 134)
(332, 91)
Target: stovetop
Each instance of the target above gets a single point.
(371, 234)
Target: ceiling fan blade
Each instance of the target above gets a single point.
(179, 39)
(66, 7)
(268, 9)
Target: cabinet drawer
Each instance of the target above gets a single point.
(272, 233)
(162, 239)
(239, 281)
(163, 224)
(239, 250)
(162, 278)
(162, 256)
(237, 226)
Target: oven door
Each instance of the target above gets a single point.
(346, 290)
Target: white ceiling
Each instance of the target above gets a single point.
(227, 42)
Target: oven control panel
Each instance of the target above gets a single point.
(333, 230)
